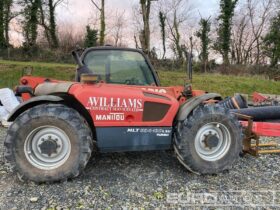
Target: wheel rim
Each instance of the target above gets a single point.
(47, 147)
(212, 141)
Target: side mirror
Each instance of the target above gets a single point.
(89, 78)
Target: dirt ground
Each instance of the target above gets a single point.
(148, 180)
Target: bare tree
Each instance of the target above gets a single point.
(48, 20)
(69, 37)
(259, 12)
(241, 37)
(136, 42)
(137, 25)
(145, 33)
(249, 26)
(175, 34)
(176, 12)
(101, 9)
(9, 15)
(118, 27)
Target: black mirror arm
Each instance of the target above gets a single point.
(77, 59)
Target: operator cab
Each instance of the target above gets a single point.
(116, 66)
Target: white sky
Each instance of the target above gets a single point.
(80, 11)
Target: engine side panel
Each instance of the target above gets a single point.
(118, 106)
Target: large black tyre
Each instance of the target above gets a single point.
(209, 141)
(48, 143)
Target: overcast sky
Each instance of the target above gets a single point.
(76, 14)
(80, 11)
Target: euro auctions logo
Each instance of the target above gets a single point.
(257, 199)
(115, 104)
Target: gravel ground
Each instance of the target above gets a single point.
(146, 180)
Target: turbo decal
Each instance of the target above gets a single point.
(115, 104)
(110, 117)
(155, 90)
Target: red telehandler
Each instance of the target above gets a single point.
(116, 103)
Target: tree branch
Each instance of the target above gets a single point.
(92, 1)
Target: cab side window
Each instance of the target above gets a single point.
(120, 67)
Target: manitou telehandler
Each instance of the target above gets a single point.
(117, 104)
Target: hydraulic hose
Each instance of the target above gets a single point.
(260, 113)
(236, 102)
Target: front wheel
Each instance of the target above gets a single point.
(209, 141)
(48, 143)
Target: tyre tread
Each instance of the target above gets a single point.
(58, 111)
(185, 132)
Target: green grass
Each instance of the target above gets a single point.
(11, 71)
(223, 84)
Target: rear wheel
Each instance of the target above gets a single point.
(209, 141)
(48, 143)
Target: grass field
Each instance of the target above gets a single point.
(11, 71)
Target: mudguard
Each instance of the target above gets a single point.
(51, 88)
(32, 102)
(191, 104)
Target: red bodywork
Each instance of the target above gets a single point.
(122, 103)
(91, 97)
(265, 128)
